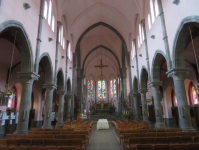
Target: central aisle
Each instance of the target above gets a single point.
(104, 139)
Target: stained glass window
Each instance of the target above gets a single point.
(99, 89)
(111, 88)
(91, 88)
(115, 89)
(103, 89)
(88, 88)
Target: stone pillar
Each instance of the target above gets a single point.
(23, 118)
(146, 48)
(79, 89)
(56, 52)
(60, 109)
(137, 112)
(73, 86)
(157, 105)
(48, 105)
(183, 108)
(144, 106)
(41, 17)
(164, 31)
(68, 107)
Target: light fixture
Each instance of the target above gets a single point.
(26, 6)
(5, 93)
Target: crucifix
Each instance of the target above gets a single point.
(101, 66)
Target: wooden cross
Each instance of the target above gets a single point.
(101, 66)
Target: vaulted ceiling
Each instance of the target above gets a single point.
(120, 14)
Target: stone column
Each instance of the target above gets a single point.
(41, 17)
(157, 105)
(56, 52)
(23, 118)
(48, 105)
(79, 89)
(137, 112)
(73, 86)
(183, 108)
(68, 106)
(165, 37)
(144, 106)
(60, 109)
(146, 48)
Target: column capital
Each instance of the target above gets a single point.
(143, 22)
(59, 23)
(135, 94)
(155, 84)
(61, 92)
(143, 91)
(177, 73)
(49, 87)
(24, 76)
(68, 95)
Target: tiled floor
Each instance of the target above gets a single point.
(104, 139)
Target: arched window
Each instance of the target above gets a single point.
(152, 11)
(133, 50)
(173, 98)
(61, 35)
(193, 99)
(45, 9)
(53, 23)
(69, 51)
(91, 88)
(140, 34)
(138, 41)
(115, 88)
(63, 42)
(89, 84)
(149, 21)
(156, 8)
(49, 12)
(101, 89)
(111, 88)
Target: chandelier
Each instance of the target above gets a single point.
(5, 93)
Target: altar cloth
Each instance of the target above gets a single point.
(102, 124)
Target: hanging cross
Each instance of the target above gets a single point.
(101, 66)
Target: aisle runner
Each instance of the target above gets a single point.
(104, 139)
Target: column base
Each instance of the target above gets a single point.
(21, 132)
(160, 125)
(59, 125)
(137, 118)
(46, 127)
(188, 129)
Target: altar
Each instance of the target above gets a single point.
(102, 124)
(102, 106)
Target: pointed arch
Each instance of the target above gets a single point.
(143, 77)
(48, 67)
(60, 80)
(159, 56)
(77, 48)
(135, 84)
(101, 46)
(68, 86)
(180, 41)
(23, 42)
